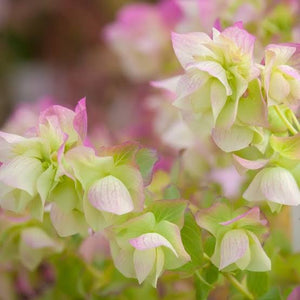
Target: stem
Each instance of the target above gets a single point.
(203, 280)
(285, 120)
(295, 120)
(239, 286)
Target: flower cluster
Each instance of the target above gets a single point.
(247, 106)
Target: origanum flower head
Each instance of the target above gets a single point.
(237, 244)
(32, 166)
(281, 74)
(143, 248)
(220, 85)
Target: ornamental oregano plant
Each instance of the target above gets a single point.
(162, 234)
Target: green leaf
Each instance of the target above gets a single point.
(145, 159)
(123, 153)
(258, 282)
(211, 274)
(171, 192)
(168, 210)
(272, 294)
(202, 288)
(191, 239)
(209, 245)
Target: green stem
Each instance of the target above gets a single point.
(203, 280)
(295, 120)
(238, 286)
(285, 120)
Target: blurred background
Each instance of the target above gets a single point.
(54, 50)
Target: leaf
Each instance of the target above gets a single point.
(146, 159)
(124, 153)
(191, 239)
(272, 294)
(171, 192)
(211, 274)
(202, 288)
(258, 282)
(168, 210)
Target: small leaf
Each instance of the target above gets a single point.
(168, 210)
(191, 239)
(145, 159)
(202, 288)
(258, 282)
(171, 192)
(272, 294)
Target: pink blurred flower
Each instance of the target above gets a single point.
(141, 37)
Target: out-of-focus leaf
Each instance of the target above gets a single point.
(191, 239)
(171, 192)
(272, 294)
(258, 282)
(145, 159)
(168, 210)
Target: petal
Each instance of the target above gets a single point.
(160, 260)
(218, 98)
(93, 216)
(190, 45)
(143, 263)
(233, 139)
(211, 217)
(279, 87)
(45, 182)
(216, 70)
(169, 84)
(122, 259)
(278, 185)
(30, 258)
(250, 164)
(132, 178)
(36, 238)
(65, 195)
(150, 241)
(241, 38)
(86, 166)
(282, 53)
(80, 119)
(22, 172)
(67, 224)
(259, 262)
(233, 247)
(252, 213)
(252, 109)
(172, 233)
(111, 195)
(254, 192)
(190, 82)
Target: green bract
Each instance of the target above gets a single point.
(143, 248)
(237, 244)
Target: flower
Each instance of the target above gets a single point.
(281, 77)
(143, 248)
(32, 166)
(220, 85)
(140, 37)
(237, 244)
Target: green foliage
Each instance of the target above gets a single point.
(168, 210)
(145, 159)
(258, 282)
(191, 239)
